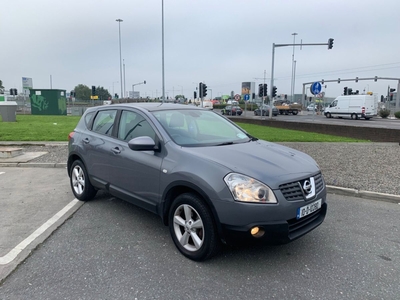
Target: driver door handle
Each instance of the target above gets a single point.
(116, 150)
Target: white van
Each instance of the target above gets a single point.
(208, 104)
(353, 106)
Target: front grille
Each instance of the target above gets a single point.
(293, 191)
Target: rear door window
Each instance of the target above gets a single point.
(104, 121)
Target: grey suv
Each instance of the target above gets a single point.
(207, 179)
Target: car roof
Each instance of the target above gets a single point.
(153, 106)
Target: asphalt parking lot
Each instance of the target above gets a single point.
(34, 201)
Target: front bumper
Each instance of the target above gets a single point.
(278, 232)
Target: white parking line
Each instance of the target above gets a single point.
(10, 256)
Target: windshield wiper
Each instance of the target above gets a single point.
(252, 138)
(224, 144)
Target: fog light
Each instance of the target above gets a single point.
(257, 232)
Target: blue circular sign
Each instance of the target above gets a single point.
(316, 88)
(246, 97)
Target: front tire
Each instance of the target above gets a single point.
(192, 228)
(80, 183)
(354, 116)
(328, 115)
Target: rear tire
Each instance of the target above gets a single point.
(192, 228)
(80, 183)
(328, 115)
(354, 116)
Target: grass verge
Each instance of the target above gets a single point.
(57, 128)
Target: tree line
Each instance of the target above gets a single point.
(83, 92)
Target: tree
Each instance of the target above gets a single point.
(179, 97)
(82, 92)
(102, 93)
(1, 87)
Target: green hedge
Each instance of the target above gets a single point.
(397, 114)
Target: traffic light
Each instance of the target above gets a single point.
(391, 97)
(338, 80)
(200, 90)
(356, 79)
(350, 91)
(195, 94)
(392, 90)
(13, 92)
(260, 90)
(330, 43)
(273, 91)
(322, 81)
(345, 90)
(376, 78)
(204, 90)
(93, 90)
(265, 89)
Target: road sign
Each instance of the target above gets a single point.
(316, 88)
(246, 97)
(94, 97)
(237, 97)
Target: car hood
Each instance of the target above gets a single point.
(268, 162)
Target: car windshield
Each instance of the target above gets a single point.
(199, 128)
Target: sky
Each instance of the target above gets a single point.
(223, 43)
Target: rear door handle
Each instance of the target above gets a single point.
(116, 150)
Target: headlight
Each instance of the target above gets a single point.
(247, 189)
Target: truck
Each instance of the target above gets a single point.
(285, 107)
(353, 106)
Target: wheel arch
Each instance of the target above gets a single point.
(181, 187)
(71, 158)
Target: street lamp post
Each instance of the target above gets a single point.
(124, 81)
(293, 67)
(120, 54)
(162, 50)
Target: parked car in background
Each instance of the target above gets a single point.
(265, 110)
(311, 107)
(232, 110)
(315, 107)
(208, 179)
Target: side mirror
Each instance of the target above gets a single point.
(142, 143)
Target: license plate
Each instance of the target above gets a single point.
(308, 209)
